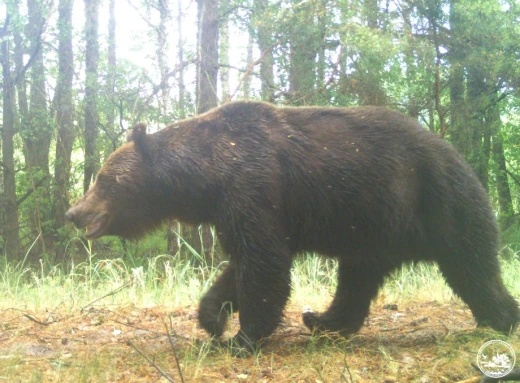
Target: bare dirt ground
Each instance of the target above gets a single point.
(423, 342)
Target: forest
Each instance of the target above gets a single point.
(78, 75)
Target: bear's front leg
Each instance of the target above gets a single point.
(264, 286)
(251, 230)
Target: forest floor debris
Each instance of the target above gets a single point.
(421, 342)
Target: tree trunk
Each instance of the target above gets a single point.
(458, 116)
(21, 87)
(370, 67)
(162, 57)
(23, 104)
(174, 228)
(37, 135)
(207, 87)
(9, 208)
(111, 69)
(479, 131)
(224, 51)
(249, 61)
(91, 90)
(180, 47)
(302, 55)
(265, 43)
(409, 59)
(505, 201)
(64, 120)
(207, 55)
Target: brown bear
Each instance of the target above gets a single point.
(365, 185)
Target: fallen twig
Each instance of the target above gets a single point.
(348, 370)
(30, 317)
(173, 349)
(113, 292)
(164, 374)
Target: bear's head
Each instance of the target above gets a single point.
(123, 200)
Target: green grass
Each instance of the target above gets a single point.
(168, 280)
(115, 288)
(160, 280)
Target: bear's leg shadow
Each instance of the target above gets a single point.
(217, 304)
(357, 286)
(475, 277)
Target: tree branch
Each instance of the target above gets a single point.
(517, 181)
(150, 24)
(112, 140)
(502, 96)
(247, 72)
(158, 87)
(242, 70)
(30, 191)
(37, 48)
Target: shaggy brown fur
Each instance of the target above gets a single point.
(365, 185)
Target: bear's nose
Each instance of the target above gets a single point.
(69, 215)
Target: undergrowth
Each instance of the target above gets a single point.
(177, 281)
(405, 345)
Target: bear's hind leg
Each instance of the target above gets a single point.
(476, 279)
(216, 305)
(357, 286)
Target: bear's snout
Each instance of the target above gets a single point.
(76, 215)
(70, 215)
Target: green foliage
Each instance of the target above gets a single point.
(511, 237)
(453, 65)
(170, 280)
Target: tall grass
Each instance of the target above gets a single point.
(159, 280)
(175, 281)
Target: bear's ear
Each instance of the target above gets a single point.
(140, 139)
